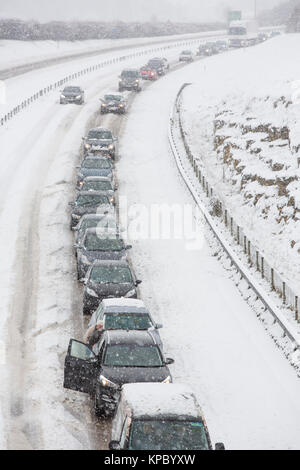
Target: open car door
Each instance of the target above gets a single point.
(80, 367)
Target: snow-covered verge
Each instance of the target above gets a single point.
(241, 121)
(277, 317)
(16, 53)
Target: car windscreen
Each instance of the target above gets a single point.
(97, 163)
(96, 186)
(72, 89)
(186, 52)
(129, 74)
(111, 275)
(167, 435)
(112, 98)
(93, 242)
(89, 223)
(155, 63)
(127, 321)
(91, 200)
(132, 355)
(100, 135)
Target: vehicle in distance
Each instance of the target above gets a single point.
(119, 357)
(108, 279)
(158, 417)
(130, 79)
(243, 33)
(100, 140)
(72, 94)
(148, 73)
(125, 314)
(113, 103)
(222, 46)
(94, 166)
(89, 202)
(158, 64)
(186, 56)
(97, 245)
(104, 222)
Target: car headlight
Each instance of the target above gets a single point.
(168, 380)
(112, 200)
(87, 146)
(107, 383)
(85, 260)
(121, 105)
(136, 81)
(130, 293)
(91, 292)
(62, 96)
(111, 147)
(78, 97)
(104, 104)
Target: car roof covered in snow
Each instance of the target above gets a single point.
(132, 337)
(161, 400)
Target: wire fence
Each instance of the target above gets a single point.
(93, 68)
(255, 259)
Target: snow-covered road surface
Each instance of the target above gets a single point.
(248, 391)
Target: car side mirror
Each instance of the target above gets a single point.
(75, 229)
(219, 446)
(72, 204)
(114, 445)
(138, 282)
(83, 138)
(128, 247)
(78, 166)
(85, 282)
(169, 361)
(77, 246)
(116, 188)
(158, 326)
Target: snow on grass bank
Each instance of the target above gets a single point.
(241, 118)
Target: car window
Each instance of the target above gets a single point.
(93, 242)
(113, 98)
(127, 321)
(125, 433)
(132, 355)
(99, 134)
(96, 186)
(80, 351)
(111, 274)
(91, 200)
(168, 435)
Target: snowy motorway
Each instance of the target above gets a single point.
(248, 391)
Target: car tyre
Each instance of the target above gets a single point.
(86, 310)
(99, 410)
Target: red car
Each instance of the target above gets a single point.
(148, 73)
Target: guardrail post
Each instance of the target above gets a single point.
(283, 293)
(296, 308)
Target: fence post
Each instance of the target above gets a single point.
(296, 308)
(238, 234)
(283, 293)
(272, 279)
(226, 217)
(262, 267)
(257, 264)
(231, 225)
(245, 244)
(249, 251)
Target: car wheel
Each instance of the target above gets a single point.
(99, 410)
(86, 310)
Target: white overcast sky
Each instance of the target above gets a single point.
(127, 10)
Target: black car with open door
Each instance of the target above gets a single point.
(118, 357)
